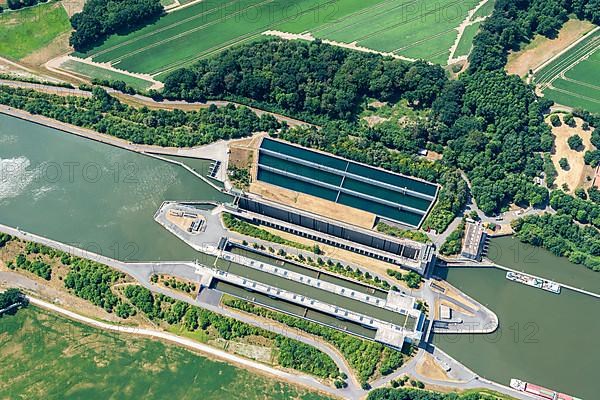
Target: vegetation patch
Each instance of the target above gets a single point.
(203, 323)
(105, 114)
(366, 357)
(402, 233)
(109, 364)
(245, 228)
(30, 29)
(453, 243)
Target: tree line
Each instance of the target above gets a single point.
(105, 114)
(558, 234)
(101, 18)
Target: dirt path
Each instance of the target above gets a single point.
(294, 379)
(461, 29)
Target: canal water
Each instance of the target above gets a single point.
(91, 195)
(103, 198)
(543, 338)
(510, 252)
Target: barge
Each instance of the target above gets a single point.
(539, 391)
(533, 281)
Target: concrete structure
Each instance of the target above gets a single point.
(395, 197)
(404, 253)
(394, 319)
(473, 241)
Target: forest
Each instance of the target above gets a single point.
(101, 18)
(105, 114)
(515, 22)
(313, 81)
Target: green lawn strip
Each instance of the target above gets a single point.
(466, 40)
(92, 71)
(245, 228)
(30, 29)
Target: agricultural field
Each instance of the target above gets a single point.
(46, 356)
(466, 40)
(92, 71)
(412, 29)
(30, 29)
(572, 78)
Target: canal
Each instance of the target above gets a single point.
(544, 338)
(92, 195)
(103, 198)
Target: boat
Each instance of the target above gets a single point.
(539, 391)
(533, 281)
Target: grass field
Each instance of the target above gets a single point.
(466, 40)
(44, 356)
(415, 29)
(572, 78)
(92, 71)
(24, 31)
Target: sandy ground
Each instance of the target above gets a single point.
(576, 175)
(453, 306)
(314, 204)
(182, 222)
(243, 152)
(428, 367)
(72, 6)
(373, 120)
(453, 294)
(542, 49)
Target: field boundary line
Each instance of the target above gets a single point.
(591, 86)
(461, 29)
(580, 96)
(545, 63)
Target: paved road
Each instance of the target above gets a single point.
(142, 272)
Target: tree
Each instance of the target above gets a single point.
(575, 142)
(555, 120)
(564, 163)
(569, 120)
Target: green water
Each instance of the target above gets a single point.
(511, 253)
(544, 338)
(89, 194)
(44, 356)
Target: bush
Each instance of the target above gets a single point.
(569, 120)
(564, 163)
(575, 142)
